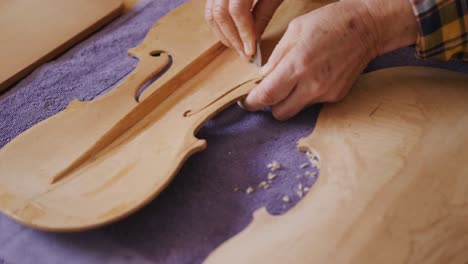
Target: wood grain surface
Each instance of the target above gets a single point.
(393, 185)
(99, 161)
(33, 32)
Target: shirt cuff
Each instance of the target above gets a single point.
(443, 26)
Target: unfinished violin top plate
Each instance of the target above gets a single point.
(99, 161)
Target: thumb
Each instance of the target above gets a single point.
(263, 12)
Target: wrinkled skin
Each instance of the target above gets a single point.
(321, 54)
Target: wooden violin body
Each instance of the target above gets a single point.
(99, 161)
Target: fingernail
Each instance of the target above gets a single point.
(263, 70)
(240, 104)
(248, 50)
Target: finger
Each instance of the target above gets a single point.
(212, 23)
(282, 48)
(263, 12)
(243, 19)
(274, 88)
(298, 99)
(226, 24)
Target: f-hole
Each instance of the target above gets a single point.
(155, 53)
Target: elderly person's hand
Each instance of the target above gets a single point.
(323, 52)
(238, 24)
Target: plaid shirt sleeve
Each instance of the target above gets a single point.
(443, 29)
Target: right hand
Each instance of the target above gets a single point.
(237, 25)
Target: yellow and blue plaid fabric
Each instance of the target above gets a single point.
(443, 29)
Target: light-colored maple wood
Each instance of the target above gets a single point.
(393, 185)
(33, 32)
(99, 161)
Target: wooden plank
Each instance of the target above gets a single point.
(34, 32)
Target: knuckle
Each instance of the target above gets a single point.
(299, 68)
(235, 9)
(295, 25)
(209, 15)
(267, 97)
(315, 93)
(220, 14)
(303, 65)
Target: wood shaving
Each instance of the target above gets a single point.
(286, 199)
(300, 193)
(315, 164)
(311, 155)
(310, 173)
(303, 165)
(306, 189)
(249, 190)
(271, 176)
(299, 186)
(262, 184)
(298, 176)
(314, 159)
(236, 189)
(274, 165)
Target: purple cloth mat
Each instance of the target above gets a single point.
(199, 210)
